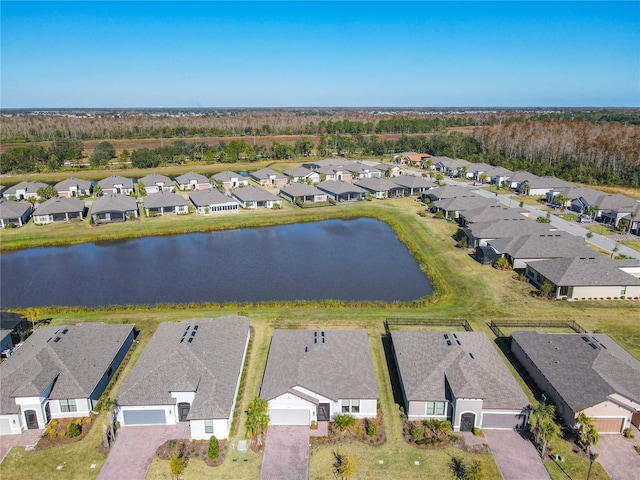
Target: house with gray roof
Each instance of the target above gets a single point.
(74, 187)
(302, 174)
(542, 186)
(313, 374)
(113, 208)
(457, 376)
(59, 209)
(268, 177)
(212, 201)
(478, 234)
(519, 251)
(336, 173)
(115, 184)
(59, 372)
(327, 162)
(302, 193)
(452, 207)
(189, 372)
(14, 213)
(381, 187)
(360, 170)
(498, 175)
(253, 197)
(630, 213)
(230, 180)
(165, 203)
(24, 190)
(519, 177)
(340, 191)
(154, 183)
(450, 166)
(593, 276)
(413, 184)
(388, 169)
(583, 373)
(446, 191)
(192, 181)
(494, 211)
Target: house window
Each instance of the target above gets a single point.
(208, 426)
(68, 405)
(345, 406)
(350, 406)
(623, 291)
(436, 408)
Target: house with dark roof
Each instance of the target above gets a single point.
(450, 166)
(498, 175)
(630, 213)
(74, 187)
(340, 191)
(230, 180)
(113, 208)
(253, 197)
(189, 372)
(212, 201)
(302, 174)
(59, 372)
(154, 183)
(165, 203)
(583, 373)
(313, 374)
(316, 164)
(381, 187)
(457, 376)
(478, 234)
(336, 173)
(14, 213)
(24, 190)
(115, 184)
(388, 169)
(494, 211)
(267, 177)
(446, 191)
(591, 276)
(59, 209)
(192, 181)
(542, 186)
(519, 177)
(412, 184)
(360, 170)
(302, 193)
(452, 207)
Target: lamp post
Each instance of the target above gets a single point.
(592, 457)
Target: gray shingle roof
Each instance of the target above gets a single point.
(448, 191)
(298, 172)
(10, 209)
(471, 365)
(596, 270)
(31, 187)
(301, 189)
(114, 203)
(186, 178)
(155, 179)
(377, 184)
(59, 205)
(266, 173)
(252, 193)
(227, 176)
(544, 245)
(547, 182)
(412, 181)
(495, 211)
(77, 361)
(65, 185)
(521, 176)
(498, 172)
(164, 200)
(113, 180)
(507, 228)
(210, 366)
(582, 371)
(339, 368)
(335, 187)
(466, 202)
(211, 196)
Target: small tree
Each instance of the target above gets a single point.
(343, 421)
(74, 430)
(47, 192)
(257, 419)
(588, 433)
(465, 471)
(546, 288)
(177, 464)
(97, 191)
(547, 431)
(214, 448)
(343, 465)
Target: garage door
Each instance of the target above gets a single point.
(609, 425)
(289, 417)
(5, 426)
(144, 417)
(502, 420)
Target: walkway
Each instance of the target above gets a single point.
(28, 439)
(286, 454)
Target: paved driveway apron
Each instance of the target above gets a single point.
(27, 438)
(516, 457)
(617, 456)
(286, 454)
(134, 449)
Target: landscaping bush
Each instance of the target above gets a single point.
(371, 427)
(342, 421)
(74, 430)
(214, 448)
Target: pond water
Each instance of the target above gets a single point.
(336, 259)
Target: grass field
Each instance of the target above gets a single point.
(466, 290)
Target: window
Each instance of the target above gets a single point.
(208, 426)
(345, 406)
(350, 406)
(436, 408)
(68, 405)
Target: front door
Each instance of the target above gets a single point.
(32, 419)
(467, 422)
(183, 411)
(323, 412)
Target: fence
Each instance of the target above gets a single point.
(427, 322)
(496, 324)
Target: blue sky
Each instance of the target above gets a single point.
(279, 54)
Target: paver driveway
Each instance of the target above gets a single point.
(286, 454)
(28, 438)
(617, 456)
(135, 448)
(515, 456)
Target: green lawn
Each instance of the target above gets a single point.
(635, 244)
(465, 289)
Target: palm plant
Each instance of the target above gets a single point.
(257, 419)
(588, 434)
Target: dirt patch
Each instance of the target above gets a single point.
(57, 432)
(193, 449)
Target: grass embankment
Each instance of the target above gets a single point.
(467, 290)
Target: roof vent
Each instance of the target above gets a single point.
(471, 355)
(185, 334)
(195, 327)
(315, 334)
(322, 333)
(193, 333)
(315, 340)
(57, 339)
(446, 336)
(458, 342)
(182, 339)
(449, 342)
(306, 349)
(586, 339)
(322, 339)
(190, 339)
(57, 331)
(188, 327)
(593, 345)
(455, 336)
(65, 331)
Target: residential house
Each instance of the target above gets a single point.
(340, 191)
(113, 208)
(192, 181)
(311, 375)
(412, 184)
(613, 215)
(595, 276)
(388, 169)
(115, 184)
(477, 171)
(494, 211)
(14, 213)
(59, 209)
(189, 372)
(583, 373)
(212, 201)
(452, 207)
(381, 187)
(460, 377)
(478, 234)
(414, 159)
(59, 372)
(446, 191)
(519, 177)
(449, 166)
(360, 170)
(74, 187)
(155, 183)
(327, 162)
(302, 174)
(165, 203)
(6, 342)
(24, 190)
(541, 186)
(302, 193)
(334, 172)
(252, 197)
(268, 177)
(498, 175)
(230, 180)
(12, 325)
(562, 197)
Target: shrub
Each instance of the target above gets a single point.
(62, 434)
(627, 433)
(543, 220)
(214, 448)
(501, 264)
(477, 432)
(74, 430)
(343, 421)
(371, 427)
(171, 443)
(88, 421)
(51, 433)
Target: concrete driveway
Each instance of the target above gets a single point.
(135, 447)
(617, 456)
(515, 456)
(286, 454)
(27, 438)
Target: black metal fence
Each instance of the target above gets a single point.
(496, 324)
(427, 322)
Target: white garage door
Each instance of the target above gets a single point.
(289, 417)
(144, 417)
(5, 426)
